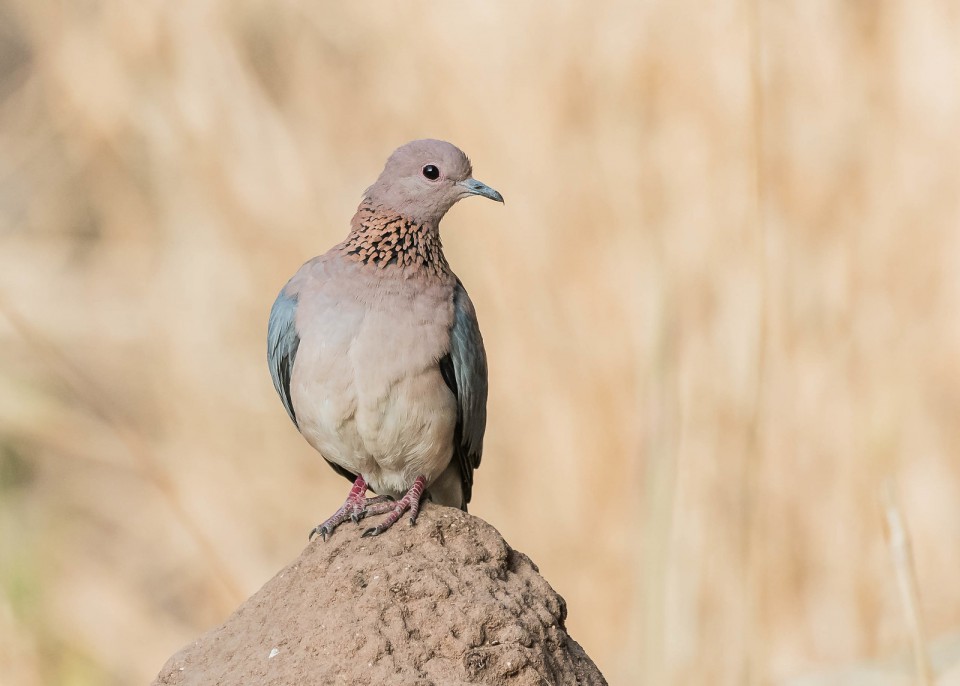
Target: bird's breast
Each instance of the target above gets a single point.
(367, 388)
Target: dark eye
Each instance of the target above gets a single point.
(431, 172)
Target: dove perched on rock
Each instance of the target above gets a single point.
(375, 350)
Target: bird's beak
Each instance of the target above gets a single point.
(474, 187)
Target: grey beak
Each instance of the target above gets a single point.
(474, 187)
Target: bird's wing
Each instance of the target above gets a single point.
(282, 343)
(464, 370)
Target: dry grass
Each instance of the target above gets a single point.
(720, 307)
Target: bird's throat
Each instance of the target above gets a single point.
(384, 239)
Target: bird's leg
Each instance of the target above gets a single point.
(354, 507)
(411, 501)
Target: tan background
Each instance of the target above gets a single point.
(721, 306)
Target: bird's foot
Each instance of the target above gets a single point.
(411, 501)
(353, 508)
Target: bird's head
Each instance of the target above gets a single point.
(423, 179)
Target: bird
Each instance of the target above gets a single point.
(375, 350)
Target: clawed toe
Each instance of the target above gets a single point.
(394, 514)
(320, 530)
(326, 529)
(352, 508)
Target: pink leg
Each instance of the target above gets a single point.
(411, 501)
(353, 507)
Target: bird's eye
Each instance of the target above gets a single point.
(431, 172)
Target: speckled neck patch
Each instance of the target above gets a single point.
(385, 239)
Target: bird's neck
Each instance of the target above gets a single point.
(385, 239)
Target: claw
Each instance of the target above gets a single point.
(359, 516)
(372, 531)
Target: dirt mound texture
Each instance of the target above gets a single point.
(445, 602)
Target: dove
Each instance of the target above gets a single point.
(375, 350)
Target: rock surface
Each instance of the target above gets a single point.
(445, 602)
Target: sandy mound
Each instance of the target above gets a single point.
(445, 602)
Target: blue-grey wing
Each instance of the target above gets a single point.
(282, 344)
(464, 370)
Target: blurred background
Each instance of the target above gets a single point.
(721, 308)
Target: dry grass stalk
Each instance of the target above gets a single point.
(898, 542)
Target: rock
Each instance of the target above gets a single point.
(445, 602)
